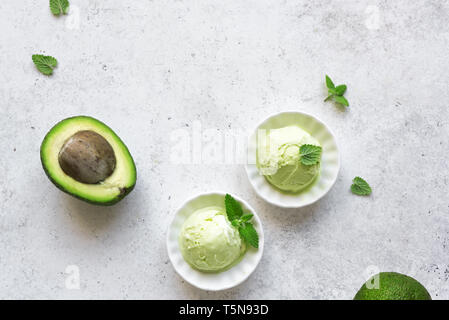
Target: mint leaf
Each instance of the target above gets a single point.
(233, 208)
(360, 187)
(336, 92)
(340, 90)
(249, 234)
(235, 223)
(332, 92)
(239, 220)
(45, 64)
(310, 154)
(246, 217)
(58, 7)
(341, 100)
(247, 230)
(329, 83)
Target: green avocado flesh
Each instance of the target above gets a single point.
(86, 159)
(392, 286)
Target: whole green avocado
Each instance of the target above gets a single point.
(393, 286)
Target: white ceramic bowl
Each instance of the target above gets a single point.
(330, 161)
(212, 281)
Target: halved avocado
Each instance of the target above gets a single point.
(86, 159)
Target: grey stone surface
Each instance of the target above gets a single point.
(151, 68)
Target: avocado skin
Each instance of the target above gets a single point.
(394, 286)
(123, 194)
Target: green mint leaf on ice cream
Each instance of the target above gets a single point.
(247, 217)
(360, 187)
(310, 154)
(45, 64)
(233, 208)
(240, 221)
(59, 7)
(336, 92)
(249, 233)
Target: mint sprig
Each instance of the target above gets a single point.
(58, 7)
(310, 154)
(233, 208)
(241, 221)
(336, 92)
(44, 64)
(249, 233)
(360, 187)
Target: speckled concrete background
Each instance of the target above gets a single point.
(149, 68)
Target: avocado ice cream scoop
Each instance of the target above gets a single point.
(208, 241)
(278, 158)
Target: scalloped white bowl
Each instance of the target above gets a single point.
(212, 281)
(330, 161)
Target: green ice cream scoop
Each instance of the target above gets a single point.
(208, 241)
(278, 158)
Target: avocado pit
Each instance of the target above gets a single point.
(87, 157)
